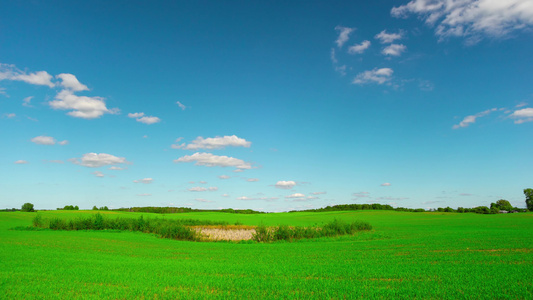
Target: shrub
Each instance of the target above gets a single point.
(27, 207)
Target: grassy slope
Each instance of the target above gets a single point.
(407, 255)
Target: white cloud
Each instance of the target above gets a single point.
(224, 177)
(523, 115)
(144, 180)
(214, 143)
(10, 72)
(472, 118)
(43, 140)
(286, 185)
(318, 193)
(245, 198)
(98, 174)
(344, 33)
(115, 168)
(202, 200)
(81, 106)
(386, 38)
(394, 49)
(144, 195)
(295, 195)
(21, 162)
(70, 82)
(472, 19)
(378, 76)
(225, 195)
(26, 101)
(63, 143)
(10, 115)
(197, 189)
(210, 160)
(140, 117)
(213, 188)
(56, 161)
(333, 56)
(386, 184)
(359, 48)
(361, 195)
(183, 107)
(252, 179)
(95, 160)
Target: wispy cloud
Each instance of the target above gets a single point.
(47, 140)
(386, 184)
(10, 72)
(472, 19)
(523, 115)
(472, 118)
(95, 160)
(386, 38)
(359, 48)
(344, 35)
(140, 117)
(210, 160)
(394, 50)
(144, 180)
(214, 143)
(379, 76)
(21, 162)
(183, 107)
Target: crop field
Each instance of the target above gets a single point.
(405, 256)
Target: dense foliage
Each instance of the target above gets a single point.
(172, 229)
(27, 207)
(529, 198)
(174, 210)
(290, 233)
(69, 207)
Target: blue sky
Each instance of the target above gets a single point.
(265, 105)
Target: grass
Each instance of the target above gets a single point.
(405, 256)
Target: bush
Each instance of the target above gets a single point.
(27, 207)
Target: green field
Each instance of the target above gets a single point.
(406, 255)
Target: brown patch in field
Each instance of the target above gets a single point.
(226, 233)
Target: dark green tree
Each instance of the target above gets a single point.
(529, 198)
(27, 207)
(95, 208)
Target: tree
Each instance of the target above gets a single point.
(503, 204)
(27, 207)
(529, 198)
(95, 208)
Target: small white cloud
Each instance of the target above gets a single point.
(10, 115)
(95, 160)
(81, 106)
(472, 118)
(21, 162)
(252, 179)
(43, 140)
(286, 185)
(98, 174)
(183, 107)
(344, 35)
(10, 72)
(144, 195)
(115, 168)
(295, 195)
(378, 76)
(203, 182)
(333, 56)
(361, 195)
(213, 188)
(144, 180)
(246, 198)
(523, 115)
(203, 200)
(63, 143)
(26, 101)
(225, 195)
(214, 143)
(210, 160)
(56, 161)
(359, 48)
(197, 189)
(386, 184)
(394, 50)
(224, 177)
(140, 117)
(341, 70)
(70, 82)
(318, 193)
(386, 38)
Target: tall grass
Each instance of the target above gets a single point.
(285, 233)
(165, 228)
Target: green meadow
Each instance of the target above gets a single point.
(405, 256)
